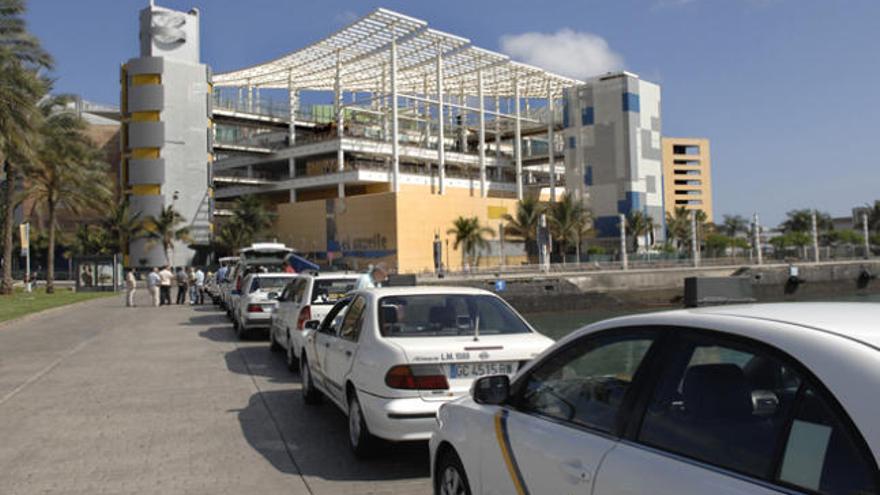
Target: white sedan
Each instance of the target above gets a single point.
(762, 399)
(390, 357)
(257, 302)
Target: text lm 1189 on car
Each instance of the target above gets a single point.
(390, 357)
(763, 399)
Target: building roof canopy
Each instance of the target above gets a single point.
(361, 52)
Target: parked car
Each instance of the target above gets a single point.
(265, 256)
(398, 354)
(258, 301)
(212, 284)
(760, 399)
(309, 297)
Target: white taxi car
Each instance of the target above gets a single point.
(257, 302)
(390, 357)
(761, 399)
(309, 297)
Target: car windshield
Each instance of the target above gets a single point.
(330, 290)
(269, 283)
(429, 315)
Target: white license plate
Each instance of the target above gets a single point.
(476, 370)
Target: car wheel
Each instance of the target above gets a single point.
(310, 394)
(451, 478)
(360, 439)
(290, 357)
(273, 344)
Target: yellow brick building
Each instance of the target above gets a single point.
(687, 175)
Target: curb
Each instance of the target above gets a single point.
(49, 311)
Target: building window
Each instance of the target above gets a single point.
(588, 176)
(565, 122)
(681, 149)
(631, 102)
(588, 116)
(572, 142)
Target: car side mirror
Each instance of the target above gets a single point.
(312, 324)
(491, 390)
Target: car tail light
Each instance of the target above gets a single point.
(416, 378)
(305, 315)
(254, 308)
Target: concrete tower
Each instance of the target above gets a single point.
(613, 156)
(167, 133)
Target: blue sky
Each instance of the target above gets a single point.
(788, 91)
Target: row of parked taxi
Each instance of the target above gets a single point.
(763, 399)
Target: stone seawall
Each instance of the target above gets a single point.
(665, 287)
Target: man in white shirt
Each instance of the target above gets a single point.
(166, 278)
(373, 278)
(200, 286)
(153, 281)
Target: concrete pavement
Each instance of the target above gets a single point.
(100, 398)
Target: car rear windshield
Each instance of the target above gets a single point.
(268, 283)
(443, 315)
(330, 290)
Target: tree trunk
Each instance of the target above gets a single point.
(50, 256)
(8, 223)
(577, 251)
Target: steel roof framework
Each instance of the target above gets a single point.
(393, 56)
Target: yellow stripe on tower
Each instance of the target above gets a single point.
(145, 116)
(145, 153)
(140, 79)
(146, 190)
(505, 452)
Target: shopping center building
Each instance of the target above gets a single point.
(370, 142)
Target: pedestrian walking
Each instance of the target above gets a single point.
(191, 279)
(166, 278)
(130, 286)
(154, 282)
(200, 286)
(182, 285)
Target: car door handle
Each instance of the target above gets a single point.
(575, 471)
(348, 353)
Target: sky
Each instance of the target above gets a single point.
(787, 91)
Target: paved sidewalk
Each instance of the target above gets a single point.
(106, 399)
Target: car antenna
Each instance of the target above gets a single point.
(477, 328)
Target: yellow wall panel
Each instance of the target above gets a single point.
(145, 116)
(146, 190)
(145, 153)
(140, 79)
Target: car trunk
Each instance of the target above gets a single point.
(463, 359)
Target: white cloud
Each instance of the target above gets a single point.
(568, 52)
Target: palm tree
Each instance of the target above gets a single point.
(567, 219)
(67, 172)
(638, 224)
(123, 225)
(232, 236)
(250, 215)
(678, 224)
(734, 224)
(524, 224)
(21, 57)
(469, 235)
(873, 213)
(165, 229)
(801, 221)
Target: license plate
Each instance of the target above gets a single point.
(476, 370)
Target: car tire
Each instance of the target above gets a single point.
(290, 358)
(310, 394)
(451, 478)
(361, 441)
(273, 344)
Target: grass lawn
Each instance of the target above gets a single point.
(22, 303)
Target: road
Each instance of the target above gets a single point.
(98, 398)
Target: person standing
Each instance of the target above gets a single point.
(374, 277)
(200, 286)
(130, 286)
(166, 278)
(191, 280)
(182, 285)
(153, 283)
